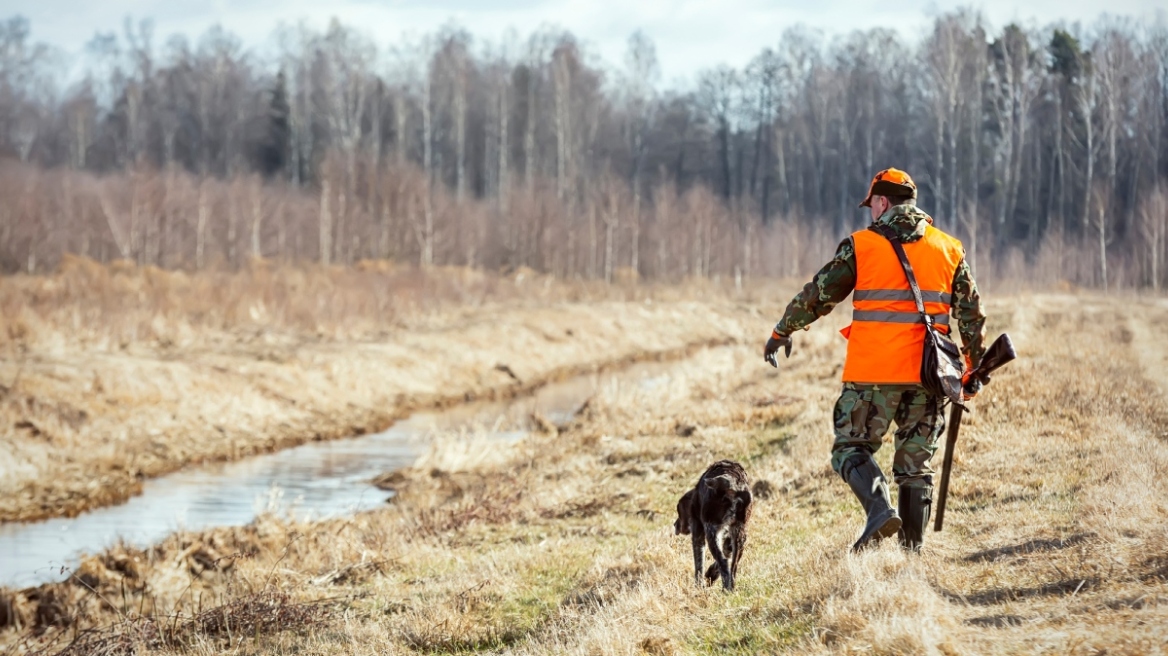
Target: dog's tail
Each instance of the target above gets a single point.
(684, 505)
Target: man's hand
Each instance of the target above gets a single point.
(772, 347)
(970, 386)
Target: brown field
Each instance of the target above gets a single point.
(1055, 541)
(110, 375)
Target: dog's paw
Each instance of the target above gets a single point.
(712, 574)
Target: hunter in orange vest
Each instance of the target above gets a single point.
(881, 374)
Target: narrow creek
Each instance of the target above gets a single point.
(311, 481)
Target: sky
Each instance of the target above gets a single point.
(690, 35)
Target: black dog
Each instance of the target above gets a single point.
(716, 511)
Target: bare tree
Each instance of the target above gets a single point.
(718, 90)
(174, 153)
(452, 63)
(1154, 234)
(562, 62)
(1015, 83)
(641, 73)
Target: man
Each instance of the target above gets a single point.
(885, 340)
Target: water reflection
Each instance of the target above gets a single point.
(315, 480)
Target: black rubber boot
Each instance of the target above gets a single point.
(915, 505)
(868, 484)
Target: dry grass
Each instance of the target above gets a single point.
(113, 374)
(119, 307)
(1055, 540)
(244, 617)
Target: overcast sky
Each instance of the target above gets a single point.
(690, 34)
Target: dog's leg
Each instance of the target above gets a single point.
(739, 534)
(719, 558)
(728, 550)
(699, 554)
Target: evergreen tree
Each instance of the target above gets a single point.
(272, 150)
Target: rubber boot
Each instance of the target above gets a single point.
(868, 484)
(915, 505)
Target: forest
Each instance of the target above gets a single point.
(1045, 149)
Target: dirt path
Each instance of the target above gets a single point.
(1148, 328)
(1054, 541)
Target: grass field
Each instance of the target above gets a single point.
(1055, 541)
(112, 375)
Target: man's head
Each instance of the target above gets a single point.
(890, 187)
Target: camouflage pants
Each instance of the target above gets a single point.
(862, 416)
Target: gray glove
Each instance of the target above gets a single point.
(772, 348)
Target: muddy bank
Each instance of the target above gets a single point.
(313, 481)
(85, 427)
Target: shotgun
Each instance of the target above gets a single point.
(998, 354)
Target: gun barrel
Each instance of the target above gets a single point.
(950, 442)
(999, 353)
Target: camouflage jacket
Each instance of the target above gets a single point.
(837, 278)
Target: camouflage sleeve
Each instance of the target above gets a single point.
(968, 312)
(831, 285)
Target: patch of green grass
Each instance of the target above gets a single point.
(749, 636)
(490, 620)
(769, 442)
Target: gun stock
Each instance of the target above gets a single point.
(998, 354)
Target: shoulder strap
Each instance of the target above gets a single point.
(887, 233)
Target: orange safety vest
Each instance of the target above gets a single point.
(886, 337)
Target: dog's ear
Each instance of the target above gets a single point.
(743, 510)
(720, 483)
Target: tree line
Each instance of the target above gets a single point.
(1045, 149)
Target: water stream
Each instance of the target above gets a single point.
(314, 480)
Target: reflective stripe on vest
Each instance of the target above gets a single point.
(898, 317)
(901, 295)
(886, 336)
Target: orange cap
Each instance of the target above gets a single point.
(890, 182)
